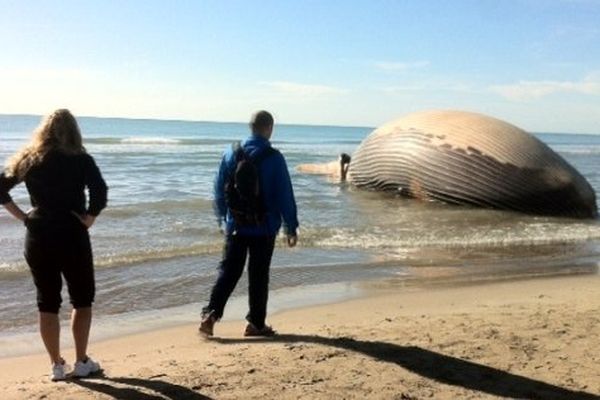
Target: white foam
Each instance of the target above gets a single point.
(150, 140)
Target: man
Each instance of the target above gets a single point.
(249, 227)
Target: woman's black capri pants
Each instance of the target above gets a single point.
(57, 247)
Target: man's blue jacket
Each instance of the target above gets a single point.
(276, 189)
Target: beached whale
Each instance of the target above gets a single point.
(472, 159)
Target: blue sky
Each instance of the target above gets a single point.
(535, 63)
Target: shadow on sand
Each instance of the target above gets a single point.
(439, 367)
(161, 389)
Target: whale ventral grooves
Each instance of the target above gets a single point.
(468, 158)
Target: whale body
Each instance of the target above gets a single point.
(472, 159)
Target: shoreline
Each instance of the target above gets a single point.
(538, 336)
(111, 326)
(24, 344)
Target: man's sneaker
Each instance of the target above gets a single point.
(252, 330)
(59, 371)
(85, 368)
(208, 323)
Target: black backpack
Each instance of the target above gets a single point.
(242, 187)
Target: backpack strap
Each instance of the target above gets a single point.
(239, 154)
(238, 151)
(263, 155)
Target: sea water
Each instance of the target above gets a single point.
(157, 244)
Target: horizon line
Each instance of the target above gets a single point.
(238, 122)
(190, 120)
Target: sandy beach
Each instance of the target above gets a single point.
(520, 339)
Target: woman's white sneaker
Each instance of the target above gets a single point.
(85, 368)
(59, 371)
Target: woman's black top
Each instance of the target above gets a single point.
(57, 185)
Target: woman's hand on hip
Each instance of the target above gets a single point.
(15, 211)
(86, 219)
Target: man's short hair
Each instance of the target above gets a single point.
(261, 120)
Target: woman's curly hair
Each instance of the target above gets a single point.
(57, 132)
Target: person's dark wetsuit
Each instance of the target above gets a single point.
(344, 166)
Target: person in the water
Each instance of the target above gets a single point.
(344, 166)
(338, 169)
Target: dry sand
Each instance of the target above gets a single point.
(522, 339)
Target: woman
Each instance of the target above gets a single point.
(56, 170)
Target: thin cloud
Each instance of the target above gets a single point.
(303, 89)
(11, 74)
(530, 90)
(400, 66)
(430, 86)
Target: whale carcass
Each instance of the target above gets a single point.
(472, 159)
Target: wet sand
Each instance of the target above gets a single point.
(535, 338)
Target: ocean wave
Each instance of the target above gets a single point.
(154, 140)
(150, 140)
(580, 151)
(161, 140)
(159, 254)
(132, 210)
(8, 269)
(376, 240)
(12, 268)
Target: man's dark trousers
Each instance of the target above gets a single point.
(237, 247)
